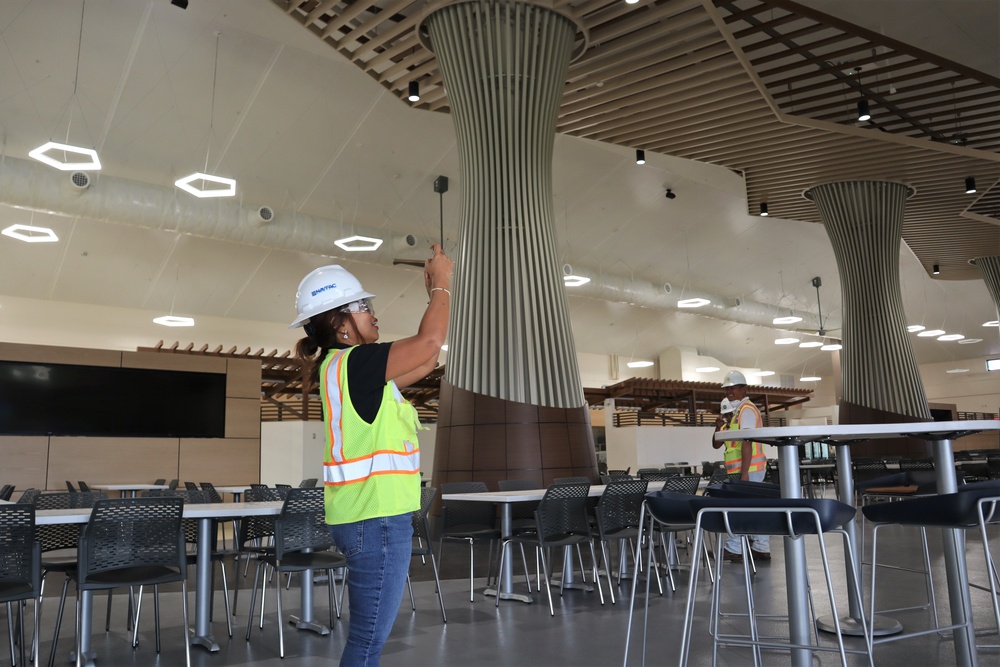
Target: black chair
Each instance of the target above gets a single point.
(522, 515)
(255, 535)
(161, 480)
(302, 542)
(424, 547)
(973, 506)
(190, 486)
(617, 513)
(60, 540)
(682, 484)
(561, 521)
(172, 484)
(133, 542)
(619, 473)
(916, 464)
(20, 569)
(6, 492)
(308, 483)
(70, 487)
(29, 496)
(470, 522)
(84, 487)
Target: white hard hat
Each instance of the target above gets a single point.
(733, 378)
(324, 289)
(726, 406)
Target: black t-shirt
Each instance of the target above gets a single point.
(366, 367)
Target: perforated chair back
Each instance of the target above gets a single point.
(190, 486)
(619, 506)
(132, 533)
(920, 464)
(562, 512)
(256, 527)
(70, 487)
(28, 497)
(462, 516)
(302, 523)
(866, 470)
(213, 494)
(6, 492)
(656, 475)
(687, 484)
(20, 558)
(58, 536)
(308, 483)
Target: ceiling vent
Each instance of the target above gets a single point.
(79, 181)
(262, 215)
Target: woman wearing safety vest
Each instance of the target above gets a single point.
(743, 457)
(372, 459)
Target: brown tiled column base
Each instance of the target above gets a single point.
(482, 438)
(913, 448)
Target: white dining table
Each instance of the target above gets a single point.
(506, 499)
(237, 490)
(205, 513)
(941, 435)
(128, 490)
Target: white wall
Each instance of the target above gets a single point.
(651, 446)
(975, 391)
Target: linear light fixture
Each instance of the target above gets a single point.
(993, 364)
(948, 337)
(932, 333)
(786, 341)
(914, 328)
(992, 323)
(970, 341)
(696, 302)
(174, 321)
(707, 369)
(811, 343)
(358, 243)
(575, 281)
(957, 370)
(30, 233)
(810, 378)
(787, 319)
(639, 364)
(832, 347)
(198, 184)
(761, 374)
(41, 154)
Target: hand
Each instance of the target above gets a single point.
(438, 270)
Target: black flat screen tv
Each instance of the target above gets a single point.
(65, 399)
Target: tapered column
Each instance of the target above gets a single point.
(512, 402)
(989, 268)
(881, 380)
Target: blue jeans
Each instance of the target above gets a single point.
(757, 542)
(378, 559)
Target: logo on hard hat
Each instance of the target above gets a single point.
(324, 288)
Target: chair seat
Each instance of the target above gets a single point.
(951, 510)
(832, 514)
(144, 575)
(472, 531)
(15, 591)
(672, 508)
(315, 560)
(925, 482)
(57, 563)
(738, 488)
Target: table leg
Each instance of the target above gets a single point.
(306, 621)
(203, 589)
(506, 583)
(954, 560)
(795, 563)
(850, 624)
(568, 580)
(87, 656)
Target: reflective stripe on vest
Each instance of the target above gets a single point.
(734, 448)
(379, 463)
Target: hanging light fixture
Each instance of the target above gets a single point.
(57, 154)
(970, 185)
(202, 184)
(936, 270)
(763, 209)
(864, 113)
(413, 92)
(640, 156)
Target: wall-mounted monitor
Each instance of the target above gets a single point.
(64, 399)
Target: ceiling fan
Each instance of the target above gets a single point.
(822, 330)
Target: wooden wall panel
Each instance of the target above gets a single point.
(243, 418)
(173, 362)
(25, 460)
(59, 355)
(243, 378)
(225, 462)
(111, 460)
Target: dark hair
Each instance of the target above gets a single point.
(321, 337)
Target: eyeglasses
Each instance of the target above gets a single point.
(362, 306)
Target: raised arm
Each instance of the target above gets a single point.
(412, 358)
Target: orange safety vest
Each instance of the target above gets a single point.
(734, 448)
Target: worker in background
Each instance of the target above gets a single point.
(742, 457)
(371, 466)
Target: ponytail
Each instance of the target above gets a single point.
(320, 339)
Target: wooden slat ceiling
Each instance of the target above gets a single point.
(767, 88)
(648, 395)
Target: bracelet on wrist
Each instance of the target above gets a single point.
(443, 289)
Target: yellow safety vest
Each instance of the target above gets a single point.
(370, 470)
(734, 448)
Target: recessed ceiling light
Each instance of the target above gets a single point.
(639, 364)
(707, 369)
(761, 374)
(957, 370)
(970, 341)
(914, 328)
(197, 184)
(948, 337)
(811, 343)
(575, 281)
(358, 243)
(810, 378)
(786, 341)
(696, 302)
(992, 323)
(788, 319)
(928, 333)
(832, 347)
(41, 154)
(30, 233)
(175, 321)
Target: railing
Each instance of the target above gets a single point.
(963, 416)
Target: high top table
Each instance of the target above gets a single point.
(205, 513)
(940, 434)
(129, 490)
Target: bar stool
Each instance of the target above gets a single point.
(974, 505)
(779, 517)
